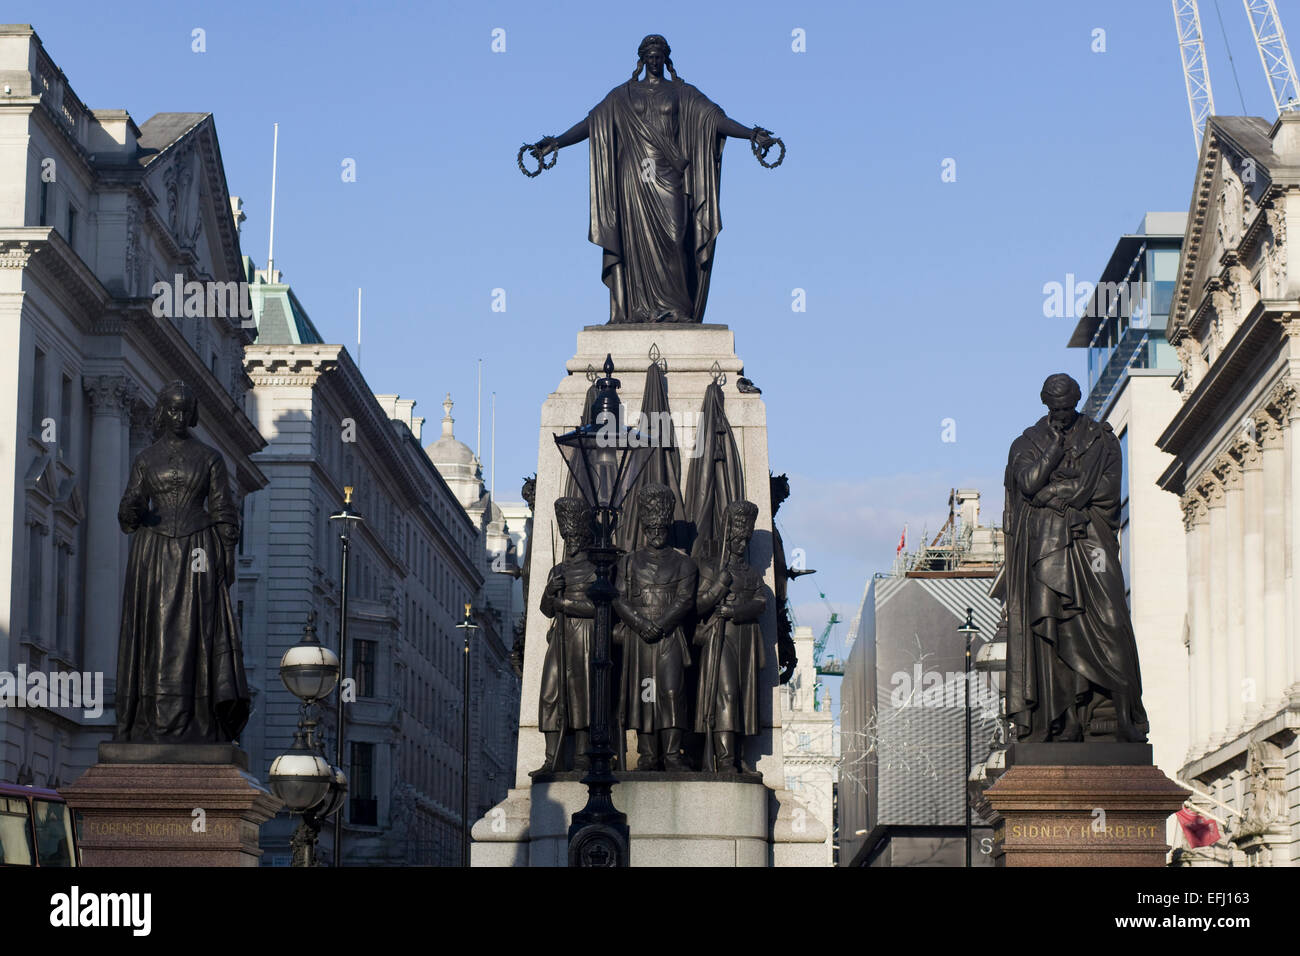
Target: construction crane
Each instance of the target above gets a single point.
(831, 666)
(1196, 71)
(1274, 54)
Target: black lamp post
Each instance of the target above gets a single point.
(605, 460)
(302, 778)
(969, 629)
(465, 626)
(346, 516)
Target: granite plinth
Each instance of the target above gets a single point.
(1099, 753)
(208, 754)
(170, 814)
(1082, 815)
(661, 776)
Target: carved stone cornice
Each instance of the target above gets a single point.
(15, 254)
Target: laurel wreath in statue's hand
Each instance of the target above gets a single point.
(539, 152)
(761, 141)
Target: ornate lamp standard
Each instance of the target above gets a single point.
(465, 626)
(346, 516)
(605, 460)
(969, 628)
(303, 778)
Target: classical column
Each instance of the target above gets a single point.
(1229, 469)
(1198, 625)
(110, 402)
(1253, 676)
(1292, 655)
(1216, 571)
(1273, 453)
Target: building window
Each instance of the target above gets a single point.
(38, 391)
(65, 417)
(363, 667)
(35, 562)
(63, 612)
(72, 227)
(805, 741)
(361, 774)
(43, 208)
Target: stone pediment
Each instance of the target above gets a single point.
(41, 479)
(69, 500)
(1232, 182)
(190, 212)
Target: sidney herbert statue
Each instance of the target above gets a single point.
(656, 161)
(180, 667)
(1072, 667)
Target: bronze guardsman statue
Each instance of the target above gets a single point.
(180, 666)
(565, 699)
(730, 602)
(656, 594)
(1072, 664)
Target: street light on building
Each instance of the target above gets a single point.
(605, 460)
(465, 627)
(302, 778)
(346, 516)
(969, 628)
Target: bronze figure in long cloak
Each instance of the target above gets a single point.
(656, 163)
(180, 666)
(1072, 665)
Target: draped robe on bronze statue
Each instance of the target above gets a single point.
(1068, 622)
(180, 671)
(656, 156)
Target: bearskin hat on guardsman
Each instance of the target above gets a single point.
(745, 511)
(573, 516)
(655, 505)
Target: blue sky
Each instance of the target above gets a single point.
(924, 298)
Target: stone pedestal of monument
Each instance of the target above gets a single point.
(746, 823)
(1085, 804)
(138, 804)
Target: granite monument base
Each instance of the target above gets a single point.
(1086, 804)
(685, 819)
(170, 805)
(675, 819)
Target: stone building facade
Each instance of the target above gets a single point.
(415, 561)
(1235, 442)
(812, 747)
(96, 215)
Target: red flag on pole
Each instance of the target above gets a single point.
(902, 540)
(1199, 830)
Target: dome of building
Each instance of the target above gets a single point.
(450, 455)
